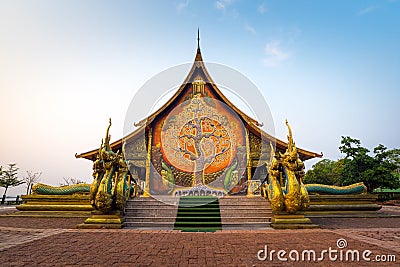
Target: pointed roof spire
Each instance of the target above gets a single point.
(198, 54)
(198, 38)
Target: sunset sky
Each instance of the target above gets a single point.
(331, 68)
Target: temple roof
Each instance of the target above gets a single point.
(251, 124)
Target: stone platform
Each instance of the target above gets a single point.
(36, 242)
(36, 205)
(358, 205)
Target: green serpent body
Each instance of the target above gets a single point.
(357, 188)
(44, 189)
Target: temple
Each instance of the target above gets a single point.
(199, 163)
(198, 142)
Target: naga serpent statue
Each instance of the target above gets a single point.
(44, 189)
(293, 197)
(110, 189)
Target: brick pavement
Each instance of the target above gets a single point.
(344, 223)
(53, 242)
(384, 237)
(11, 236)
(62, 247)
(390, 210)
(7, 209)
(40, 223)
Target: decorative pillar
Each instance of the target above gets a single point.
(249, 164)
(146, 192)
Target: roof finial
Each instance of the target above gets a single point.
(198, 53)
(198, 38)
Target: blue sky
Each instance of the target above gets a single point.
(330, 67)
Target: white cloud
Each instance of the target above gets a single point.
(367, 10)
(181, 6)
(250, 28)
(274, 54)
(261, 9)
(222, 4)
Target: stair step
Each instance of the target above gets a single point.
(150, 219)
(149, 204)
(244, 219)
(197, 213)
(247, 223)
(199, 219)
(199, 224)
(231, 209)
(238, 213)
(197, 204)
(198, 210)
(150, 225)
(247, 215)
(136, 210)
(150, 213)
(203, 229)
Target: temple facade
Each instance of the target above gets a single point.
(198, 143)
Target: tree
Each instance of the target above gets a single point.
(71, 181)
(31, 179)
(376, 171)
(9, 178)
(197, 138)
(325, 171)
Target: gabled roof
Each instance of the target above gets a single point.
(252, 125)
(198, 64)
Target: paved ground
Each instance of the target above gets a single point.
(7, 209)
(54, 242)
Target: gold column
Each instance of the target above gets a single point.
(249, 163)
(146, 192)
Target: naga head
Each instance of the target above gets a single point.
(108, 137)
(99, 156)
(290, 137)
(123, 148)
(290, 158)
(273, 162)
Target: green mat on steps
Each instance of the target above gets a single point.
(198, 214)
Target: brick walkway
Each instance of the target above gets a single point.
(53, 242)
(7, 209)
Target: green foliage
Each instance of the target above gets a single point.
(9, 178)
(378, 171)
(325, 171)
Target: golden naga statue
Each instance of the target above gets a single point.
(110, 189)
(293, 197)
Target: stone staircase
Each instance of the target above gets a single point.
(149, 213)
(245, 213)
(198, 214)
(237, 212)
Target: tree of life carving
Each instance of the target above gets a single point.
(198, 138)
